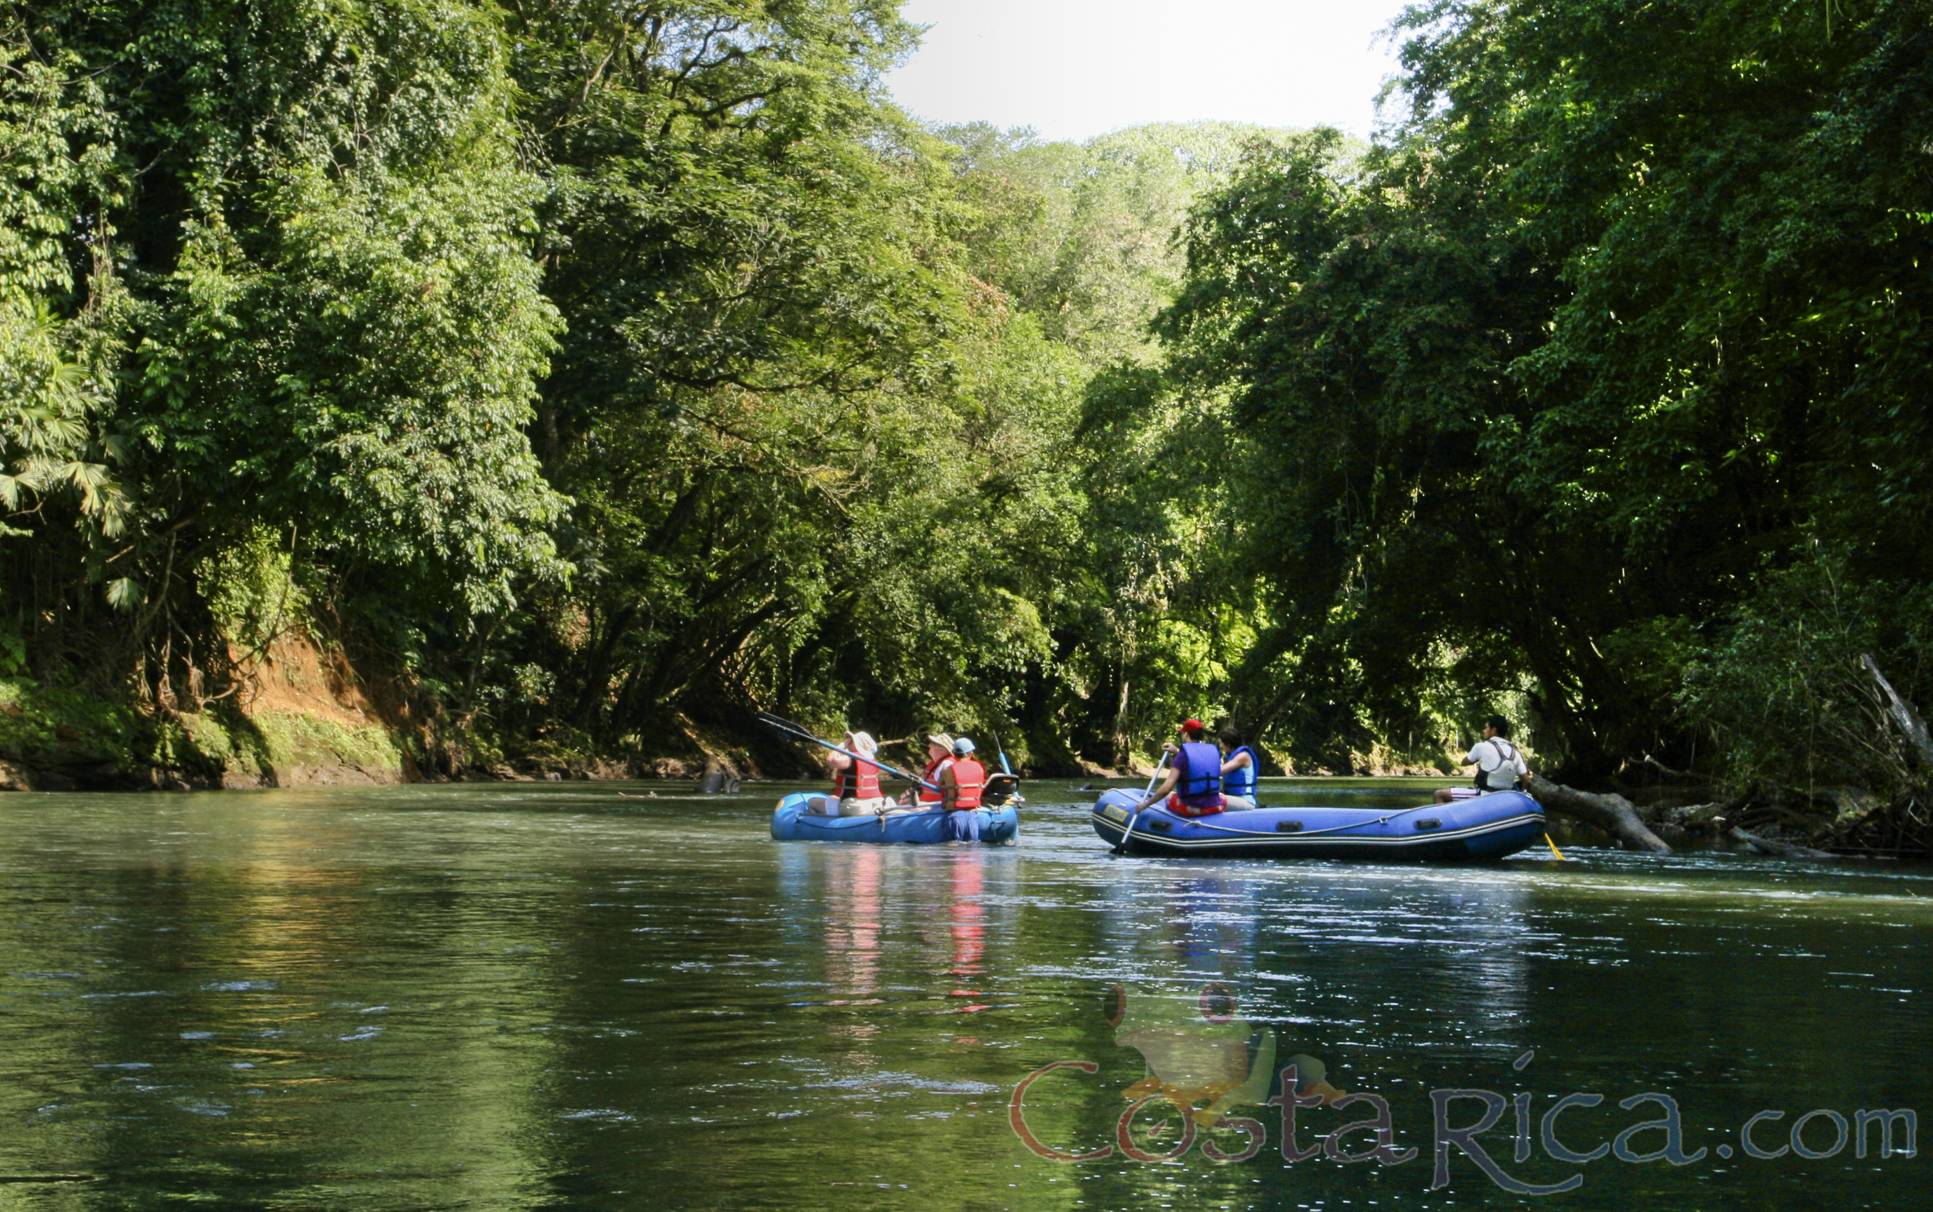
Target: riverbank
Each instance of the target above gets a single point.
(302, 713)
(59, 738)
(304, 716)
(55, 738)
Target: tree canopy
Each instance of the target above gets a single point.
(609, 369)
(1588, 381)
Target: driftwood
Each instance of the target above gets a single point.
(1698, 818)
(1852, 806)
(1909, 720)
(1612, 813)
(1766, 845)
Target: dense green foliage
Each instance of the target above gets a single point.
(595, 367)
(603, 369)
(279, 279)
(1588, 381)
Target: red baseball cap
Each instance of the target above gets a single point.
(1190, 724)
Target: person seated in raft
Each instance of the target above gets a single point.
(1239, 771)
(855, 784)
(1500, 765)
(1193, 782)
(939, 755)
(961, 782)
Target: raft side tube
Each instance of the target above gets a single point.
(791, 823)
(1484, 827)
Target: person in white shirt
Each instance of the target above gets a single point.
(1500, 764)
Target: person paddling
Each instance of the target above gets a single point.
(1239, 771)
(960, 785)
(855, 784)
(1193, 783)
(939, 755)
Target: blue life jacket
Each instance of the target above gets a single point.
(1201, 781)
(1241, 780)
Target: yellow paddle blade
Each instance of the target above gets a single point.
(1554, 850)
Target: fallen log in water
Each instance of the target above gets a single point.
(1697, 818)
(1612, 813)
(1766, 845)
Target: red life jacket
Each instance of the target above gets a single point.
(934, 769)
(969, 777)
(1181, 807)
(865, 782)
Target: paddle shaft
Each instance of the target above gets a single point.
(1122, 845)
(798, 733)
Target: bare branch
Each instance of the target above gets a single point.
(1909, 720)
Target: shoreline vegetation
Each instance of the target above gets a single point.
(429, 390)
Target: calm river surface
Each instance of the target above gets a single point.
(504, 996)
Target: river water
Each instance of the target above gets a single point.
(552, 995)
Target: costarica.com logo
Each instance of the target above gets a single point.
(1203, 1063)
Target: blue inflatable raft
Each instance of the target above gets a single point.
(791, 823)
(1482, 827)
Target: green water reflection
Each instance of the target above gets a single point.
(525, 996)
